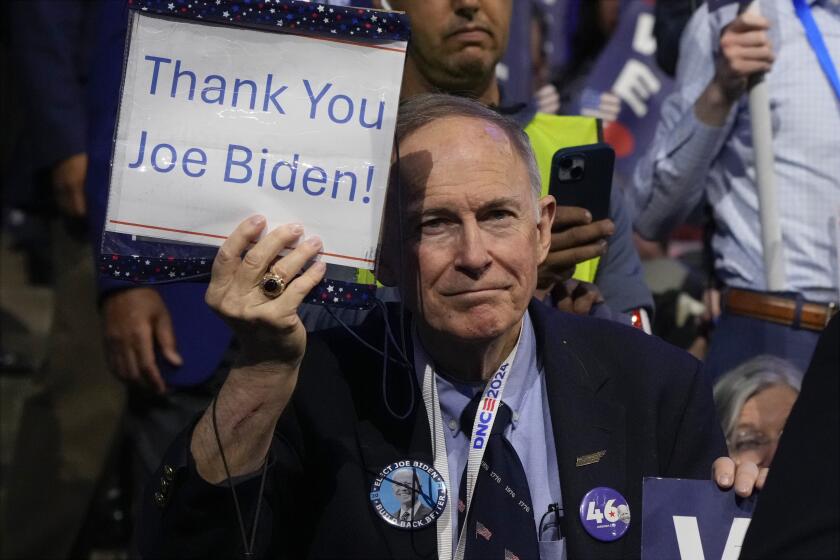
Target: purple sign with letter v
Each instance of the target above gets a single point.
(692, 520)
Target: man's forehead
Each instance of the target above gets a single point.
(460, 135)
(453, 151)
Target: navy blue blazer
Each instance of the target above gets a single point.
(611, 388)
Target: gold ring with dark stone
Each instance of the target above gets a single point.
(272, 285)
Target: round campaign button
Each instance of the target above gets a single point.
(409, 494)
(605, 514)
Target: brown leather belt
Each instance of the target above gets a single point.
(778, 309)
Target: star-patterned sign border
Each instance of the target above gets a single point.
(166, 268)
(362, 25)
(162, 263)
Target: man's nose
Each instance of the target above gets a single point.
(473, 259)
(466, 8)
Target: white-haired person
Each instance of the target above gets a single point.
(753, 402)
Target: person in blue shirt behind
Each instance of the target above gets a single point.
(703, 150)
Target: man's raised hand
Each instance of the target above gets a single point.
(745, 50)
(268, 329)
(272, 341)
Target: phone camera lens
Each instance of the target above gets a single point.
(576, 172)
(565, 163)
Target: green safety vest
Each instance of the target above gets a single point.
(548, 133)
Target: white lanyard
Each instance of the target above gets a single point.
(485, 416)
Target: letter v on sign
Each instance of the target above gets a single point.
(691, 547)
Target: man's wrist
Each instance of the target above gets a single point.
(714, 104)
(269, 383)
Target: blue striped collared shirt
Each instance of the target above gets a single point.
(530, 432)
(688, 159)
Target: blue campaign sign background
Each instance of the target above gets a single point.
(626, 73)
(705, 516)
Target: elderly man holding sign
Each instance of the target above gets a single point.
(519, 446)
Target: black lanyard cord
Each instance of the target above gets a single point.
(248, 549)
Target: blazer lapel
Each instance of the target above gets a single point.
(588, 430)
(384, 439)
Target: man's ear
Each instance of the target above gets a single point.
(547, 208)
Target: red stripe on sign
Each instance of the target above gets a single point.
(347, 257)
(215, 236)
(160, 228)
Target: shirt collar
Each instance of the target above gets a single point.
(454, 395)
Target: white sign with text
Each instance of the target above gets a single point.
(218, 123)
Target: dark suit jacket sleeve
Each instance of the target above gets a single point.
(797, 514)
(196, 519)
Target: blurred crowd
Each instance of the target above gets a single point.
(129, 366)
